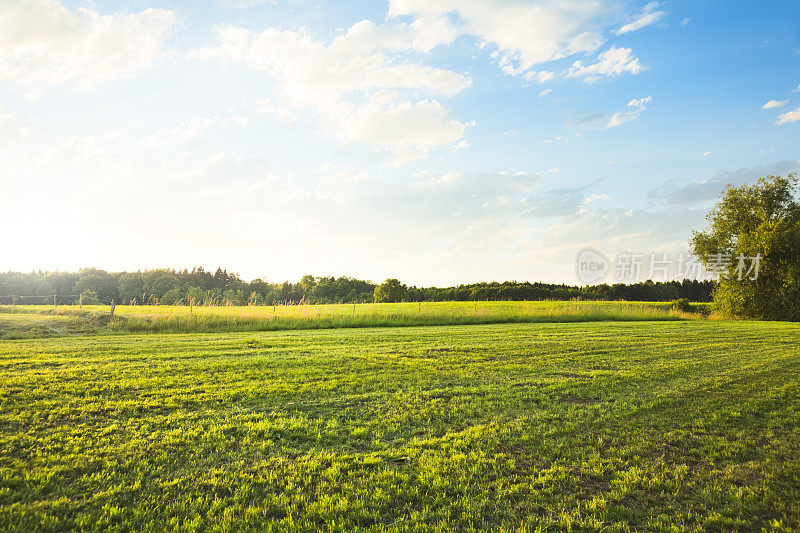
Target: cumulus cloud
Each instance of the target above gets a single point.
(521, 34)
(630, 113)
(43, 43)
(789, 116)
(363, 85)
(774, 103)
(648, 16)
(357, 88)
(409, 129)
(613, 62)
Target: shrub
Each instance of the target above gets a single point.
(682, 304)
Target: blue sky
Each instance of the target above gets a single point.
(436, 141)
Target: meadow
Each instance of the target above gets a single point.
(670, 425)
(40, 320)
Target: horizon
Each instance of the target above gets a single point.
(275, 281)
(410, 140)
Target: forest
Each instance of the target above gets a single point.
(202, 287)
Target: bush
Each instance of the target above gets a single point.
(682, 304)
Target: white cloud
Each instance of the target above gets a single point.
(241, 4)
(696, 192)
(614, 230)
(789, 116)
(612, 62)
(194, 129)
(43, 43)
(545, 92)
(433, 227)
(647, 17)
(11, 128)
(632, 112)
(408, 129)
(685, 21)
(706, 154)
(357, 89)
(595, 198)
(540, 76)
(775, 103)
(522, 34)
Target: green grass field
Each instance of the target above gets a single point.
(619, 425)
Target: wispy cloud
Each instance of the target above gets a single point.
(632, 112)
(696, 192)
(774, 103)
(646, 18)
(789, 116)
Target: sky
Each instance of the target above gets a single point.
(435, 141)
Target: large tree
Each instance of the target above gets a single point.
(390, 291)
(760, 220)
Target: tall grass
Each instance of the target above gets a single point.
(213, 319)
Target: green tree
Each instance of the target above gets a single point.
(99, 281)
(196, 295)
(763, 220)
(131, 287)
(390, 290)
(171, 297)
(89, 297)
(158, 282)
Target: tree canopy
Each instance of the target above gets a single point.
(760, 221)
(390, 291)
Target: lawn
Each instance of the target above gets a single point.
(670, 425)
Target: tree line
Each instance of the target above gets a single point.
(202, 287)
